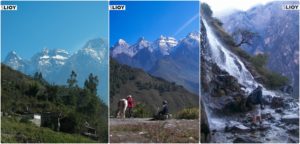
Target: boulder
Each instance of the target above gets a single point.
(277, 102)
(278, 110)
(294, 130)
(290, 119)
(243, 139)
(233, 126)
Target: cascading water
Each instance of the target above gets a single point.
(229, 62)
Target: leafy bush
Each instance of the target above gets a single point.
(271, 79)
(259, 60)
(188, 113)
(141, 111)
(33, 96)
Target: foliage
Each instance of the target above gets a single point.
(259, 60)
(72, 80)
(22, 94)
(91, 84)
(13, 131)
(141, 111)
(188, 113)
(271, 79)
(244, 36)
(147, 90)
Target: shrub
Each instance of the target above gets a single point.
(259, 60)
(141, 111)
(188, 113)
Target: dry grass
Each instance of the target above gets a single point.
(174, 131)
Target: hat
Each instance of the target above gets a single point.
(129, 96)
(165, 102)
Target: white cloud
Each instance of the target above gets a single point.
(221, 7)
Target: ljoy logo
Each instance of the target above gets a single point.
(117, 7)
(9, 7)
(290, 7)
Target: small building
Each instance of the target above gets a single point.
(36, 119)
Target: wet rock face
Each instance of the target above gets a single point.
(225, 94)
(241, 139)
(290, 119)
(277, 102)
(205, 130)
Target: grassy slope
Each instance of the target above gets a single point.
(17, 132)
(124, 81)
(15, 98)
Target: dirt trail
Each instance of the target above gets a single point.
(142, 130)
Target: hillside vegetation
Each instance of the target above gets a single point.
(147, 91)
(76, 107)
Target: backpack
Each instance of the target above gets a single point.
(256, 97)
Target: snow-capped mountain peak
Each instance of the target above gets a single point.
(142, 43)
(165, 44)
(194, 36)
(121, 47)
(14, 61)
(90, 52)
(122, 42)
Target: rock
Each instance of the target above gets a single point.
(267, 116)
(142, 133)
(293, 140)
(277, 102)
(290, 119)
(233, 126)
(263, 127)
(294, 130)
(278, 110)
(241, 139)
(267, 99)
(287, 89)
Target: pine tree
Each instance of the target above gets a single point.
(91, 83)
(72, 80)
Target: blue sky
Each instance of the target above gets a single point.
(66, 25)
(36, 25)
(152, 19)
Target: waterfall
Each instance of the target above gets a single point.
(228, 61)
(231, 63)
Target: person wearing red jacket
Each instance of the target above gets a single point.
(130, 105)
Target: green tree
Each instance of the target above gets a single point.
(244, 36)
(91, 84)
(72, 80)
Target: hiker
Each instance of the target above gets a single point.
(165, 109)
(130, 105)
(255, 98)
